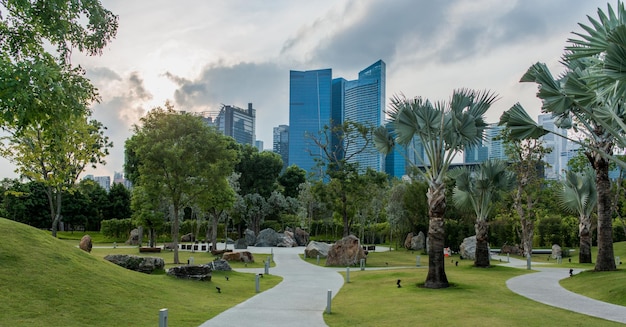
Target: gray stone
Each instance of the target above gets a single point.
(345, 252)
(302, 237)
(468, 248)
(241, 244)
(195, 272)
(556, 251)
(132, 262)
(287, 240)
(85, 243)
(220, 265)
(313, 249)
(415, 242)
(407, 240)
(267, 237)
(188, 238)
(133, 239)
(511, 249)
(250, 237)
(243, 256)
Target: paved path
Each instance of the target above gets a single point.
(299, 300)
(543, 286)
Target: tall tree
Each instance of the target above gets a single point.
(340, 145)
(443, 130)
(589, 98)
(57, 155)
(177, 156)
(578, 195)
(291, 179)
(479, 191)
(259, 171)
(119, 202)
(40, 86)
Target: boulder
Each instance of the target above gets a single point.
(267, 237)
(85, 243)
(313, 249)
(220, 265)
(407, 240)
(241, 244)
(556, 251)
(250, 237)
(301, 236)
(345, 252)
(133, 239)
(468, 248)
(243, 256)
(195, 272)
(132, 262)
(188, 238)
(287, 240)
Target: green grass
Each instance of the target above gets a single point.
(478, 297)
(48, 282)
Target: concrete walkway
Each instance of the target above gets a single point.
(543, 286)
(299, 300)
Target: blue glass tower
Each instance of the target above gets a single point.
(310, 96)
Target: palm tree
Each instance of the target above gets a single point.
(578, 195)
(588, 98)
(432, 135)
(479, 190)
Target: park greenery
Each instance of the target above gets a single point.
(189, 178)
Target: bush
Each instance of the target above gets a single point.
(117, 228)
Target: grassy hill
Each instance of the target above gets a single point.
(48, 282)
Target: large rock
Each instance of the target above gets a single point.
(188, 238)
(220, 265)
(243, 256)
(133, 238)
(85, 243)
(345, 252)
(250, 237)
(556, 251)
(287, 240)
(142, 264)
(302, 237)
(195, 272)
(415, 242)
(267, 237)
(313, 249)
(468, 248)
(511, 249)
(241, 244)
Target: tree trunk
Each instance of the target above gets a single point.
(605, 260)
(436, 277)
(56, 209)
(214, 221)
(344, 213)
(175, 228)
(584, 234)
(482, 244)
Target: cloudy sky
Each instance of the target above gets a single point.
(201, 54)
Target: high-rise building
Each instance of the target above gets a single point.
(491, 147)
(118, 178)
(104, 181)
(310, 98)
(316, 100)
(280, 143)
(259, 145)
(557, 158)
(233, 121)
(364, 103)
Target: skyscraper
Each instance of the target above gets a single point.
(557, 159)
(316, 100)
(310, 98)
(233, 121)
(281, 143)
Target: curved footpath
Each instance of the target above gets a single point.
(300, 299)
(543, 286)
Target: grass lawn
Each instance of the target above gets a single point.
(48, 282)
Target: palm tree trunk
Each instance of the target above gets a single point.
(482, 244)
(584, 234)
(436, 277)
(605, 260)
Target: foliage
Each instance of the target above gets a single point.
(119, 202)
(291, 180)
(117, 228)
(259, 171)
(25, 202)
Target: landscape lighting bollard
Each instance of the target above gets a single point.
(418, 258)
(347, 274)
(528, 261)
(257, 283)
(329, 297)
(362, 264)
(318, 259)
(508, 257)
(267, 267)
(163, 317)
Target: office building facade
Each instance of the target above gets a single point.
(280, 144)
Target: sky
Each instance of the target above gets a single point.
(202, 54)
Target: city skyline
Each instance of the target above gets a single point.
(199, 55)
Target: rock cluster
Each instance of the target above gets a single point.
(345, 252)
(313, 249)
(220, 265)
(243, 256)
(132, 262)
(468, 248)
(195, 272)
(133, 239)
(415, 242)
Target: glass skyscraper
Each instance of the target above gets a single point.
(310, 99)
(280, 143)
